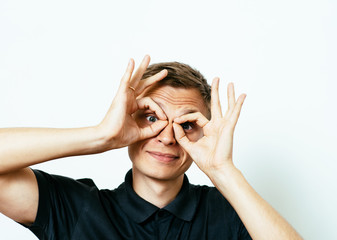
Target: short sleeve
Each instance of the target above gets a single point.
(61, 202)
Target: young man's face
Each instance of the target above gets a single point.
(161, 157)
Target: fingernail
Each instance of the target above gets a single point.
(164, 71)
(146, 56)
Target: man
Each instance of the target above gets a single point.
(168, 119)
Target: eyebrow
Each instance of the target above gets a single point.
(183, 111)
(189, 110)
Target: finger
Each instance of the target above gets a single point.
(181, 138)
(145, 83)
(152, 130)
(230, 99)
(231, 96)
(139, 72)
(196, 117)
(215, 101)
(148, 103)
(128, 72)
(237, 110)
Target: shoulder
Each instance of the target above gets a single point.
(61, 202)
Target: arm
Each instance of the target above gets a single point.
(23, 147)
(260, 219)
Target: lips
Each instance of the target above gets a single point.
(163, 157)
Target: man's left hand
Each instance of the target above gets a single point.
(214, 150)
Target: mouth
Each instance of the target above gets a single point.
(163, 157)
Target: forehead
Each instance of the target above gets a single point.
(178, 100)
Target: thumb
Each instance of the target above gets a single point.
(181, 137)
(153, 129)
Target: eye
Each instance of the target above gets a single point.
(151, 118)
(187, 126)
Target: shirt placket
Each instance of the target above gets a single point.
(161, 224)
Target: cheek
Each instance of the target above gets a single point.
(187, 162)
(186, 158)
(135, 149)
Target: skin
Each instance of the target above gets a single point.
(160, 162)
(147, 155)
(24, 147)
(213, 153)
(157, 177)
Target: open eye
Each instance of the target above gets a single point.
(187, 126)
(151, 118)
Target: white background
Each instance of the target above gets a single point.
(61, 62)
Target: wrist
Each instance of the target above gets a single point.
(101, 141)
(225, 177)
(224, 169)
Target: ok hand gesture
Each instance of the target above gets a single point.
(214, 150)
(118, 127)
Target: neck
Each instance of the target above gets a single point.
(158, 192)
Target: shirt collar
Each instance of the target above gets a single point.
(183, 206)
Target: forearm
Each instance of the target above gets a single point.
(260, 219)
(23, 147)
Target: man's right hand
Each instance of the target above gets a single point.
(23, 147)
(119, 128)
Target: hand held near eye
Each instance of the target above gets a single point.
(215, 149)
(119, 128)
(23, 147)
(213, 154)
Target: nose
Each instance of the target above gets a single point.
(166, 136)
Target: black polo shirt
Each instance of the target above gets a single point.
(77, 209)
